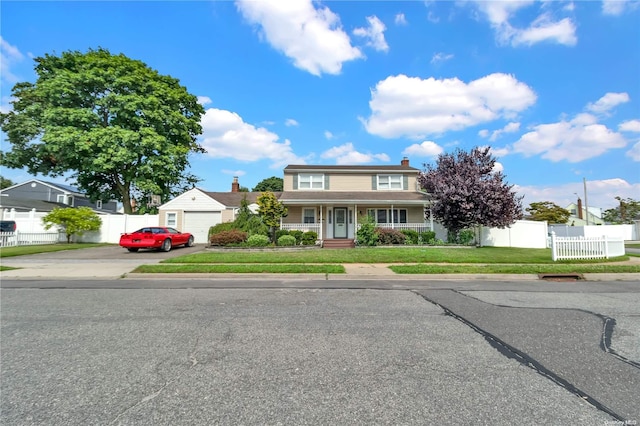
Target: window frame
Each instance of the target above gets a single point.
(390, 181)
(311, 179)
(168, 222)
(305, 218)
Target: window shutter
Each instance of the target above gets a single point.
(374, 182)
(405, 182)
(326, 182)
(295, 181)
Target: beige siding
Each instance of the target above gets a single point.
(288, 182)
(349, 182)
(162, 217)
(227, 215)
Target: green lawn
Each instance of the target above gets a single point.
(45, 248)
(380, 255)
(514, 269)
(243, 269)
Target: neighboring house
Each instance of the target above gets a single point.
(62, 195)
(195, 211)
(581, 216)
(331, 200)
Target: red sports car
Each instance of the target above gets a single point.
(155, 237)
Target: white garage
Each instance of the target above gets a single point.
(198, 223)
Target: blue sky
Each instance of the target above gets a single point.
(552, 86)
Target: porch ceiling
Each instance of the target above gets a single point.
(363, 197)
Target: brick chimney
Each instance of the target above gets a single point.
(580, 208)
(405, 162)
(235, 186)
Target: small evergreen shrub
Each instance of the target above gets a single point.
(366, 234)
(427, 237)
(412, 237)
(226, 226)
(309, 238)
(281, 232)
(466, 237)
(387, 236)
(297, 235)
(257, 240)
(287, 240)
(225, 238)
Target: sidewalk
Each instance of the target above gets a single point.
(78, 270)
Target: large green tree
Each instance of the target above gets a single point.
(627, 211)
(124, 130)
(273, 184)
(549, 211)
(468, 192)
(5, 183)
(72, 220)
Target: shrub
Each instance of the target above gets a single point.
(297, 235)
(258, 240)
(466, 237)
(367, 235)
(226, 226)
(287, 240)
(412, 237)
(254, 226)
(225, 238)
(388, 236)
(309, 238)
(281, 232)
(427, 237)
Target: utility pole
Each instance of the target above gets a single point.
(586, 203)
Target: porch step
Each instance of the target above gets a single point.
(340, 243)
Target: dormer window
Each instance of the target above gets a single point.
(310, 181)
(390, 182)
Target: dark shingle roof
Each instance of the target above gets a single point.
(350, 169)
(411, 197)
(233, 199)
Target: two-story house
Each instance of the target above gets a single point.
(331, 200)
(50, 192)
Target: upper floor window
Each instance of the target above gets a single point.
(310, 181)
(390, 182)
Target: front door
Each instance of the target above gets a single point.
(339, 222)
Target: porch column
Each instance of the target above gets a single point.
(392, 225)
(321, 223)
(355, 221)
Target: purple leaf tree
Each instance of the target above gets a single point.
(468, 192)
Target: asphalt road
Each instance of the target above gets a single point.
(185, 352)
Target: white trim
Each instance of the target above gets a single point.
(390, 181)
(312, 179)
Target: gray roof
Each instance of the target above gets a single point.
(233, 199)
(380, 197)
(23, 204)
(350, 169)
(63, 187)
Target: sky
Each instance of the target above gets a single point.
(553, 87)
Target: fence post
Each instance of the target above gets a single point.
(554, 254)
(606, 247)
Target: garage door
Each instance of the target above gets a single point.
(198, 223)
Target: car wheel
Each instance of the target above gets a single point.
(132, 250)
(166, 245)
(190, 242)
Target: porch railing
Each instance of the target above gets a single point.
(418, 227)
(304, 227)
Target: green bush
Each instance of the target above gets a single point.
(226, 226)
(281, 232)
(225, 238)
(466, 237)
(287, 240)
(412, 237)
(297, 235)
(427, 237)
(258, 240)
(309, 238)
(388, 236)
(367, 235)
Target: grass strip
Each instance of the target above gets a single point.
(381, 255)
(514, 269)
(45, 248)
(241, 269)
(7, 268)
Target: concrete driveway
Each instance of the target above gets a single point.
(98, 262)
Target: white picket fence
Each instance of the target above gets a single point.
(17, 238)
(586, 247)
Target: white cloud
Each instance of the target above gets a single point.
(600, 193)
(576, 140)
(608, 102)
(497, 167)
(346, 154)
(290, 122)
(509, 128)
(483, 133)
(424, 149)
(328, 135)
(400, 19)
(9, 55)
(543, 28)
(441, 57)
(500, 152)
(630, 126)
(204, 100)
(618, 7)
(233, 172)
(374, 34)
(312, 37)
(226, 135)
(413, 107)
(634, 152)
